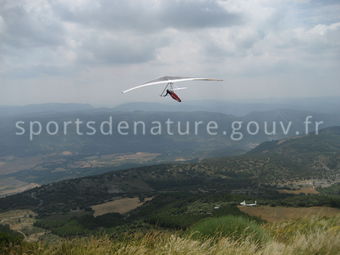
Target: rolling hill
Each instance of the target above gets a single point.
(313, 157)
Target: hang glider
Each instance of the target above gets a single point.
(169, 88)
(245, 204)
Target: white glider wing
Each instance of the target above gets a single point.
(166, 80)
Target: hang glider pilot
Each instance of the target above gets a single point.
(173, 95)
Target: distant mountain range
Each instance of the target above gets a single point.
(42, 108)
(237, 108)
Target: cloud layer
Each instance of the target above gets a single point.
(64, 45)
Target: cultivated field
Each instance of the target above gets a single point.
(279, 213)
(121, 206)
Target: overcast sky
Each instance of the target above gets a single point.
(88, 51)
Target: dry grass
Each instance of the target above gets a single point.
(310, 236)
(279, 213)
(317, 243)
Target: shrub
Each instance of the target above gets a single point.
(167, 220)
(234, 227)
(8, 239)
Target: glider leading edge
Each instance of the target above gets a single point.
(169, 88)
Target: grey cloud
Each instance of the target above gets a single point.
(121, 49)
(113, 14)
(239, 48)
(32, 38)
(317, 12)
(197, 14)
(324, 2)
(29, 36)
(39, 70)
(32, 32)
(64, 38)
(23, 27)
(144, 17)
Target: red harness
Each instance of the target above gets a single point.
(174, 96)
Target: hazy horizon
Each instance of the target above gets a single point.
(268, 100)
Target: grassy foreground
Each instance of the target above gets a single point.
(317, 235)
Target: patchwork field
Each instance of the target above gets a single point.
(11, 164)
(279, 213)
(113, 160)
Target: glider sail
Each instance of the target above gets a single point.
(168, 80)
